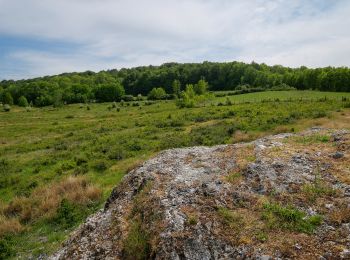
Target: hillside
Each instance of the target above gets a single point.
(284, 196)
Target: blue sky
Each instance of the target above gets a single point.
(54, 36)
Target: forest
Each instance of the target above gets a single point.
(115, 85)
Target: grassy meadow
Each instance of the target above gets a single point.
(58, 165)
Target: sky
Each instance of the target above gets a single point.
(46, 37)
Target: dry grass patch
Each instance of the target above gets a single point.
(340, 215)
(9, 226)
(44, 202)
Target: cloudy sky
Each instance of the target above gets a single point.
(40, 37)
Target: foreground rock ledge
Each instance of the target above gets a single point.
(240, 201)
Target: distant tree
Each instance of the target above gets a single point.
(190, 91)
(176, 87)
(57, 100)
(22, 101)
(108, 92)
(7, 98)
(201, 87)
(157, 93)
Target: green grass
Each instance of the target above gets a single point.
(101, 143)
(290, 218)
(312, 139)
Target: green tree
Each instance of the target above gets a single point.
(22, 101)
(201, 87)
(108, 92)
(190, 91)
(176, 87)
(157, 93)
(7, 98)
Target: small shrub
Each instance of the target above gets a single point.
(135, 146)
(69, 116)
(7, 108)
(67, 215)
(116, 154)
(100, 166)
(83, 169)
(192, 220)
(79, 160)
(22, 101)
(261, 236)
(228, 102)
(127, 98)
(7, 246)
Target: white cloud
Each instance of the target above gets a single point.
(118, 33)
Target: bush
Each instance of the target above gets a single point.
(212, 134)
(109, 92)
(100, 166)
(201, 87)
(6, 247)
(282, 87)
(67, 215)
(127, 98)
(7, 108)
(22, 101)
(117, 154)
(156, 94)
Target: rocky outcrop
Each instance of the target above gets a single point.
(283, 196)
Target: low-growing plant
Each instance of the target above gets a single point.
(234, 177)
(7, 247)
(136, 244)
(100, 166)
(261, 236)
(192, 220)
(117, 154)
(6, 108)
(280, 217)
(317, 189)
(4, 166)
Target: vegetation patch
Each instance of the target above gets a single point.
(136, 244)
(290, 218)
(234, 177)
(317, 189)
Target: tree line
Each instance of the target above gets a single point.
(113, 85)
